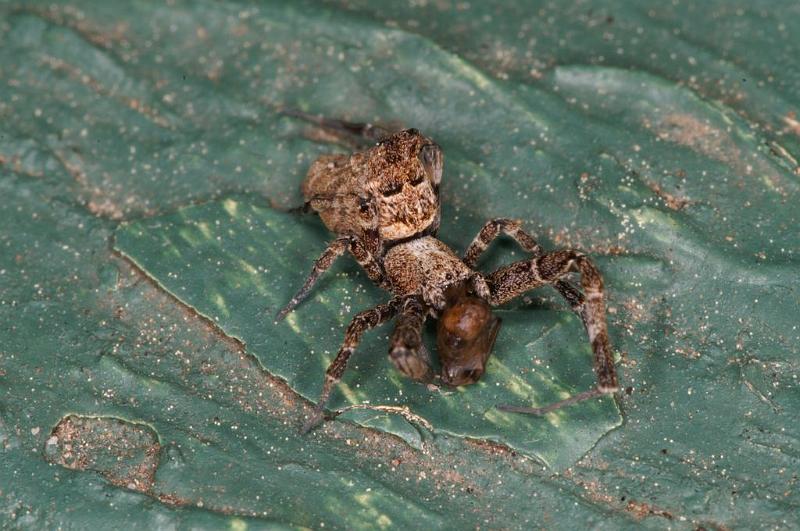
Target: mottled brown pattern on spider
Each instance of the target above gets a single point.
(425, 267)
(383, 205)
(392, 187)
(372, 198)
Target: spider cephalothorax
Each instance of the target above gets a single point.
(382, 204)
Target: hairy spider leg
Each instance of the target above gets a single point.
(362, 322)
(406, 350)
(513, 228)
(367, 132)
(334, 250)
(491, 230)
(488, 233)
(517, 278)
(368, 261)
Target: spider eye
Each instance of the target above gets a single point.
(432, 161)
(393, 189)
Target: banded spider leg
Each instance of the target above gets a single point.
(550, 268)
(334, 250)
(362, 322)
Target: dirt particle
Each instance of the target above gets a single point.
(672, 201)
(124, 453)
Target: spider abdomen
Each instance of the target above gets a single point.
(391, 188)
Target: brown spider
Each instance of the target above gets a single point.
(373, 198)
(393, 238)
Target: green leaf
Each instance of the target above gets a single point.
(662, 139)
(237, 264)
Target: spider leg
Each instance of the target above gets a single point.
(334, 250)
(514, 279)
(362, 322)
(406, 350)
(491, 230)
(365, 250)
(513, 228)
(368, 133)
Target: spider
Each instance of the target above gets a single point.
(371, 200)
(383, 205)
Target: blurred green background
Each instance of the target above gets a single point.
(144, 171)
